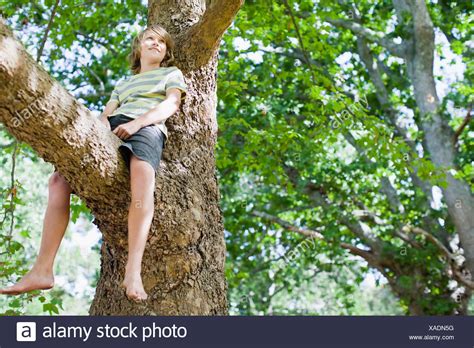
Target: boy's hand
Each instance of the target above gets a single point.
(126, 130)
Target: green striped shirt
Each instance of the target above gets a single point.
(142, 92)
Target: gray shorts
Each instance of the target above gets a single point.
(147, 144)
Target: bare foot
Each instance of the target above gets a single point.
(33, 280)
(134, 288)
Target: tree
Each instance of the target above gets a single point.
(322, 158)
(183, 264)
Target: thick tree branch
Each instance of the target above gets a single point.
(438, 135)
(205, 35)
(458, 275)
(365, 254)
(316, 197)
(386, 187)
(375, 74)
(300, 230)
(197, 24)
(423, 32)
(13, 189)
(39, 111)
(371, 35)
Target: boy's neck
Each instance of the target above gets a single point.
(147, 67)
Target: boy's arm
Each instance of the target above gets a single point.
(163, 110)
(109, 108)
(156, 115)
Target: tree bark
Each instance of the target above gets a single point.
(419, 58)
(183, 263)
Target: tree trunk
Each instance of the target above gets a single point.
(419, 56)
(183, 263)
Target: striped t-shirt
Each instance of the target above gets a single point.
(144, 91)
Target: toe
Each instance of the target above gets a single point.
(131, 295)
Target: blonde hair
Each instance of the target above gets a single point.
(134, 56)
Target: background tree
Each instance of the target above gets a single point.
(184, 260)
(341, 140)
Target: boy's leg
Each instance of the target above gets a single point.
(55, 223)
(140, 216)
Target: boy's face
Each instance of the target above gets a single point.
(152, 48)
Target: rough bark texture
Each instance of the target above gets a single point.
(183, 264)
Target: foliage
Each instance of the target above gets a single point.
(287, 101)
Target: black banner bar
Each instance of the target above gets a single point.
(234, 331)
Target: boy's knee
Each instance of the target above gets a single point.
(139, 166)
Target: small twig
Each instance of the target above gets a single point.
(303, 231)
(45, 36)
(101, 83)
(13, 193)
(463, 125)
(300, 39)
(97, 41)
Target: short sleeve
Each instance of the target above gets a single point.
(114, 96)
(176, 80)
